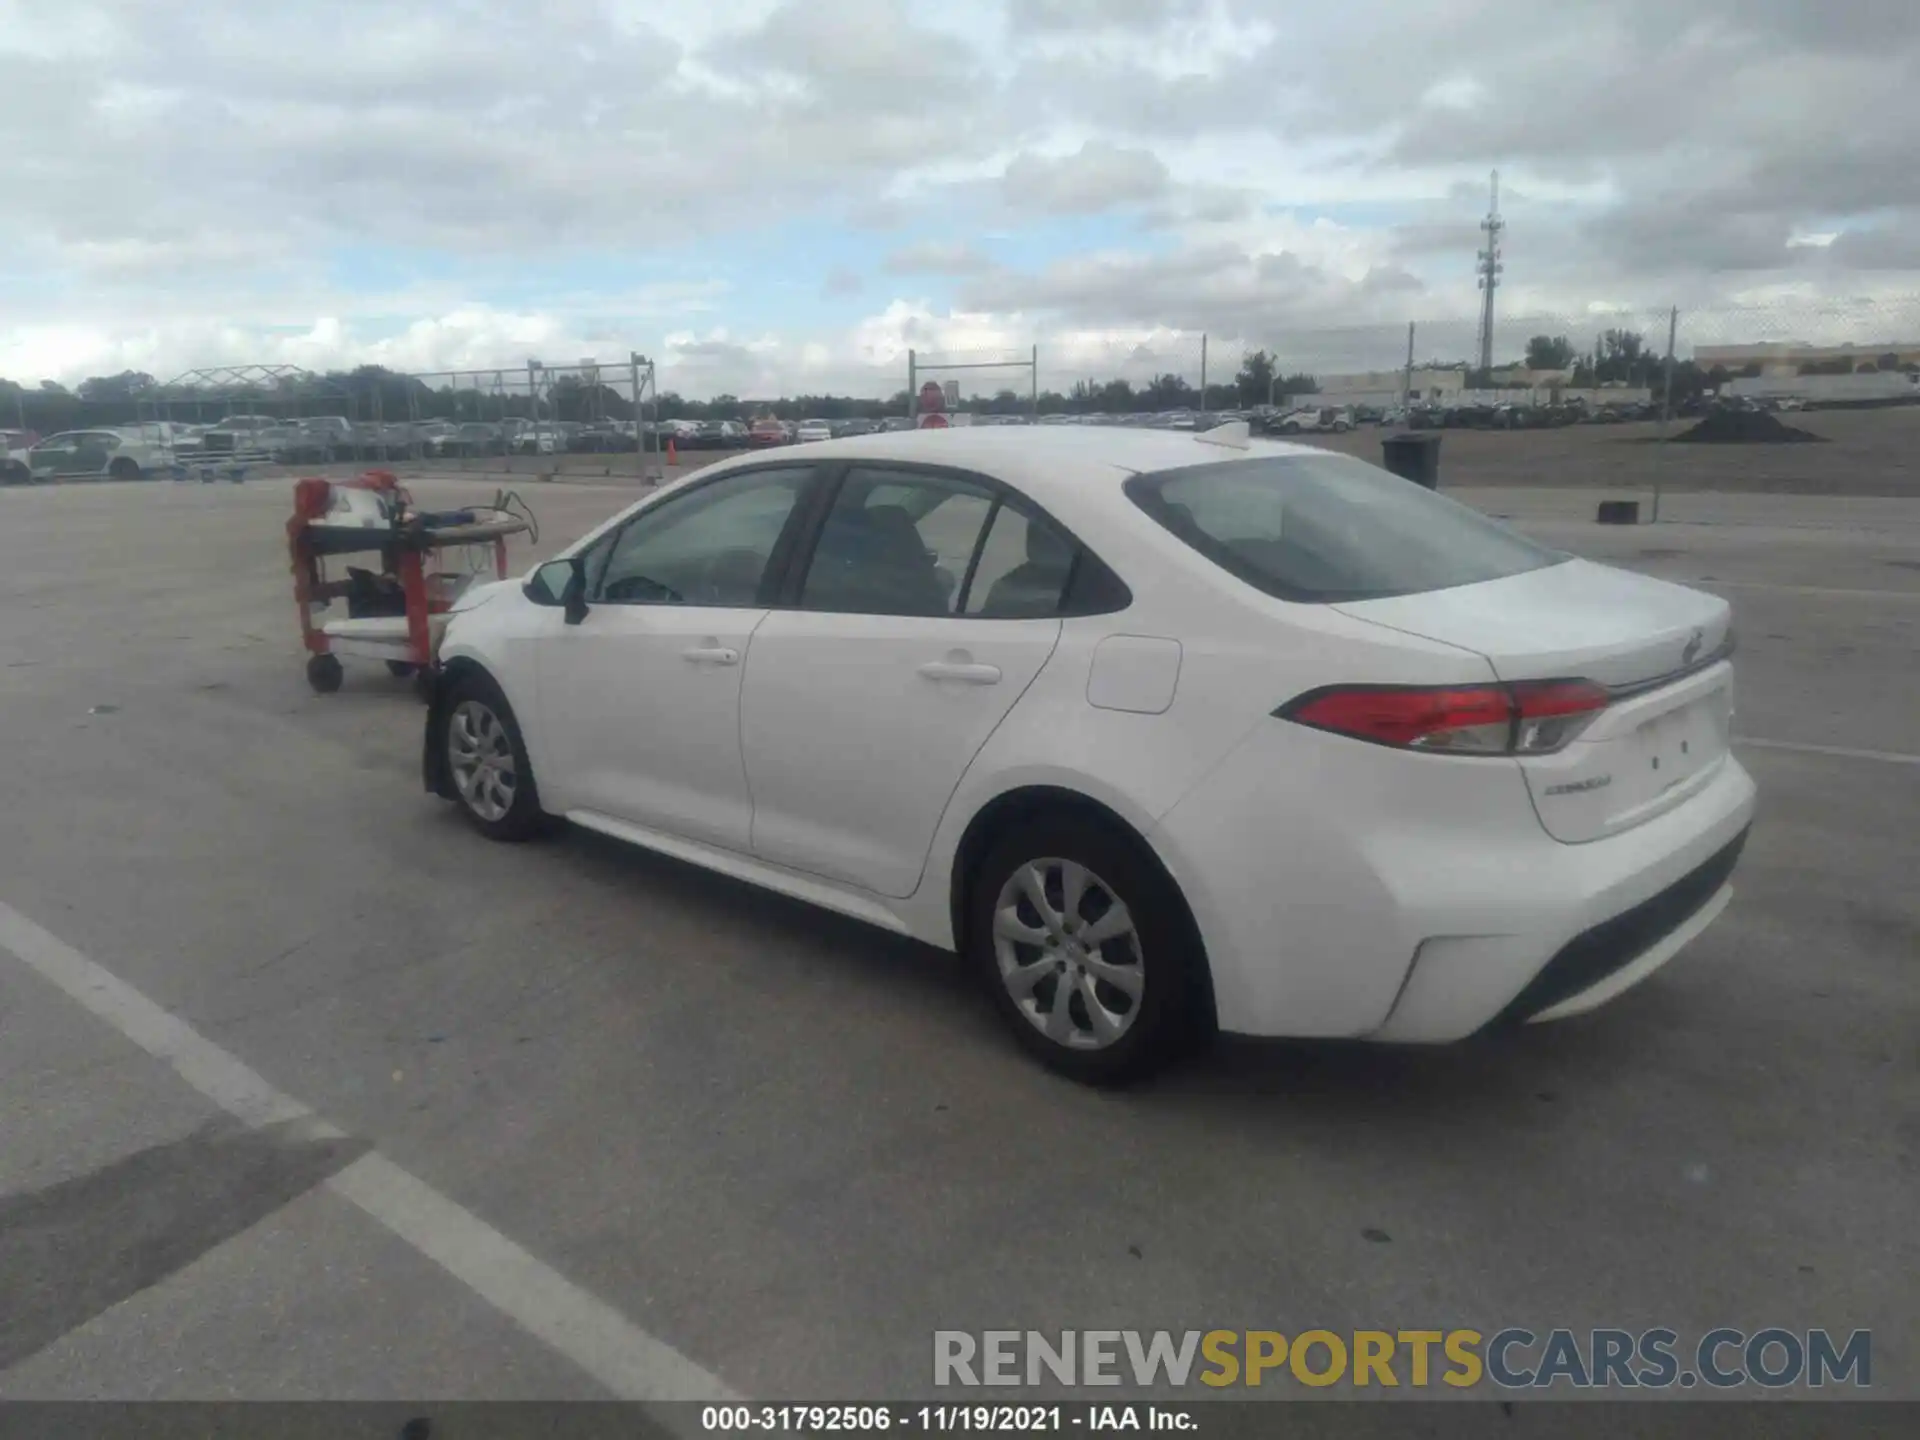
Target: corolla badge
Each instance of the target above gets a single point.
(1580, 787)
(1688, 655)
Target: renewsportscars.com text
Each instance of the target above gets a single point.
(1513, 1358)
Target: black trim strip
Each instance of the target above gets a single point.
(1612, 945)
(1660, 682)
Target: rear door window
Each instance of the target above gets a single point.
(896, 543)
(1330, 528)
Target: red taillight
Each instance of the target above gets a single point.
(1534, 717)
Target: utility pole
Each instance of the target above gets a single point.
(1203, 375)
(1490, 269)
(1666, 408)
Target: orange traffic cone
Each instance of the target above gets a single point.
(673, 455)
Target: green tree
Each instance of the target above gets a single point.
(115, 389)
(1255, 380)
(1167, 392)
(1549, 352)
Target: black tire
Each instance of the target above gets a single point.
(324, 673)
(523, 818)
(124, 467)
(1167, 1018)
(400, 669)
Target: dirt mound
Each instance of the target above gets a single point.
(1745, 427)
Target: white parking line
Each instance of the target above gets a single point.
(630, 1363)
(1886, 757)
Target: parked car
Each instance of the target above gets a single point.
(334, 435)
(116, 454)
(427, 435)
(812, 430)
(601, 437)
(1312, 420)
(1472, 416)
(895, 423)
(239, 435)
(547, 438)
(14, 445)
(473, 439)
(768, 432)
(715, 435)
(1068, 707)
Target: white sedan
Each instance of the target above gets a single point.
(129, 453)
(1164, 733)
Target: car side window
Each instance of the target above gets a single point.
(1024, 568)
(708, 547)
(896, 543)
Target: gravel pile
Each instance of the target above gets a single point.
(1745, 427)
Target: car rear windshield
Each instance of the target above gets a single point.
(1326, 528)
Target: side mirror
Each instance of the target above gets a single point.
(561, 583)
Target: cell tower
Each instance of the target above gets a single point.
(1489, 269)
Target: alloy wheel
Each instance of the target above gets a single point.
(480, 759)
(1068, 953)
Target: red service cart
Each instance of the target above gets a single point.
(396, 606)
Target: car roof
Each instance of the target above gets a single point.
(1047, 460)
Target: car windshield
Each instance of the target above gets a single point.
(1325, 528)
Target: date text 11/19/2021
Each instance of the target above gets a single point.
(946, 1419)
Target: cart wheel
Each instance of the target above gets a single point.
(324, 673)
(400, 669)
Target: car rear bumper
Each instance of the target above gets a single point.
(1630, 904)
(1330, 907)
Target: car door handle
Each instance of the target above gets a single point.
(966, 674)
(712, 655)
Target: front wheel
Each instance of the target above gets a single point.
(124, 468)
(1087, 951)
(487, 763)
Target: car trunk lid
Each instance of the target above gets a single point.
(1658, 648)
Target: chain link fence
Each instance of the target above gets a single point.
(588, 419)
(1662, 368)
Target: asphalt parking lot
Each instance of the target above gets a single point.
(597, 1123)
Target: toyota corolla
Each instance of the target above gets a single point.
(1164, 733)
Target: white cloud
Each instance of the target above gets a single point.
(938, 257)
(180, 181)
(1098, 176)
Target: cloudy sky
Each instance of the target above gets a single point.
(785, 194)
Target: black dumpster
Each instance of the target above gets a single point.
(1414, 457)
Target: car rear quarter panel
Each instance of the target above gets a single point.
(1239, 660)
